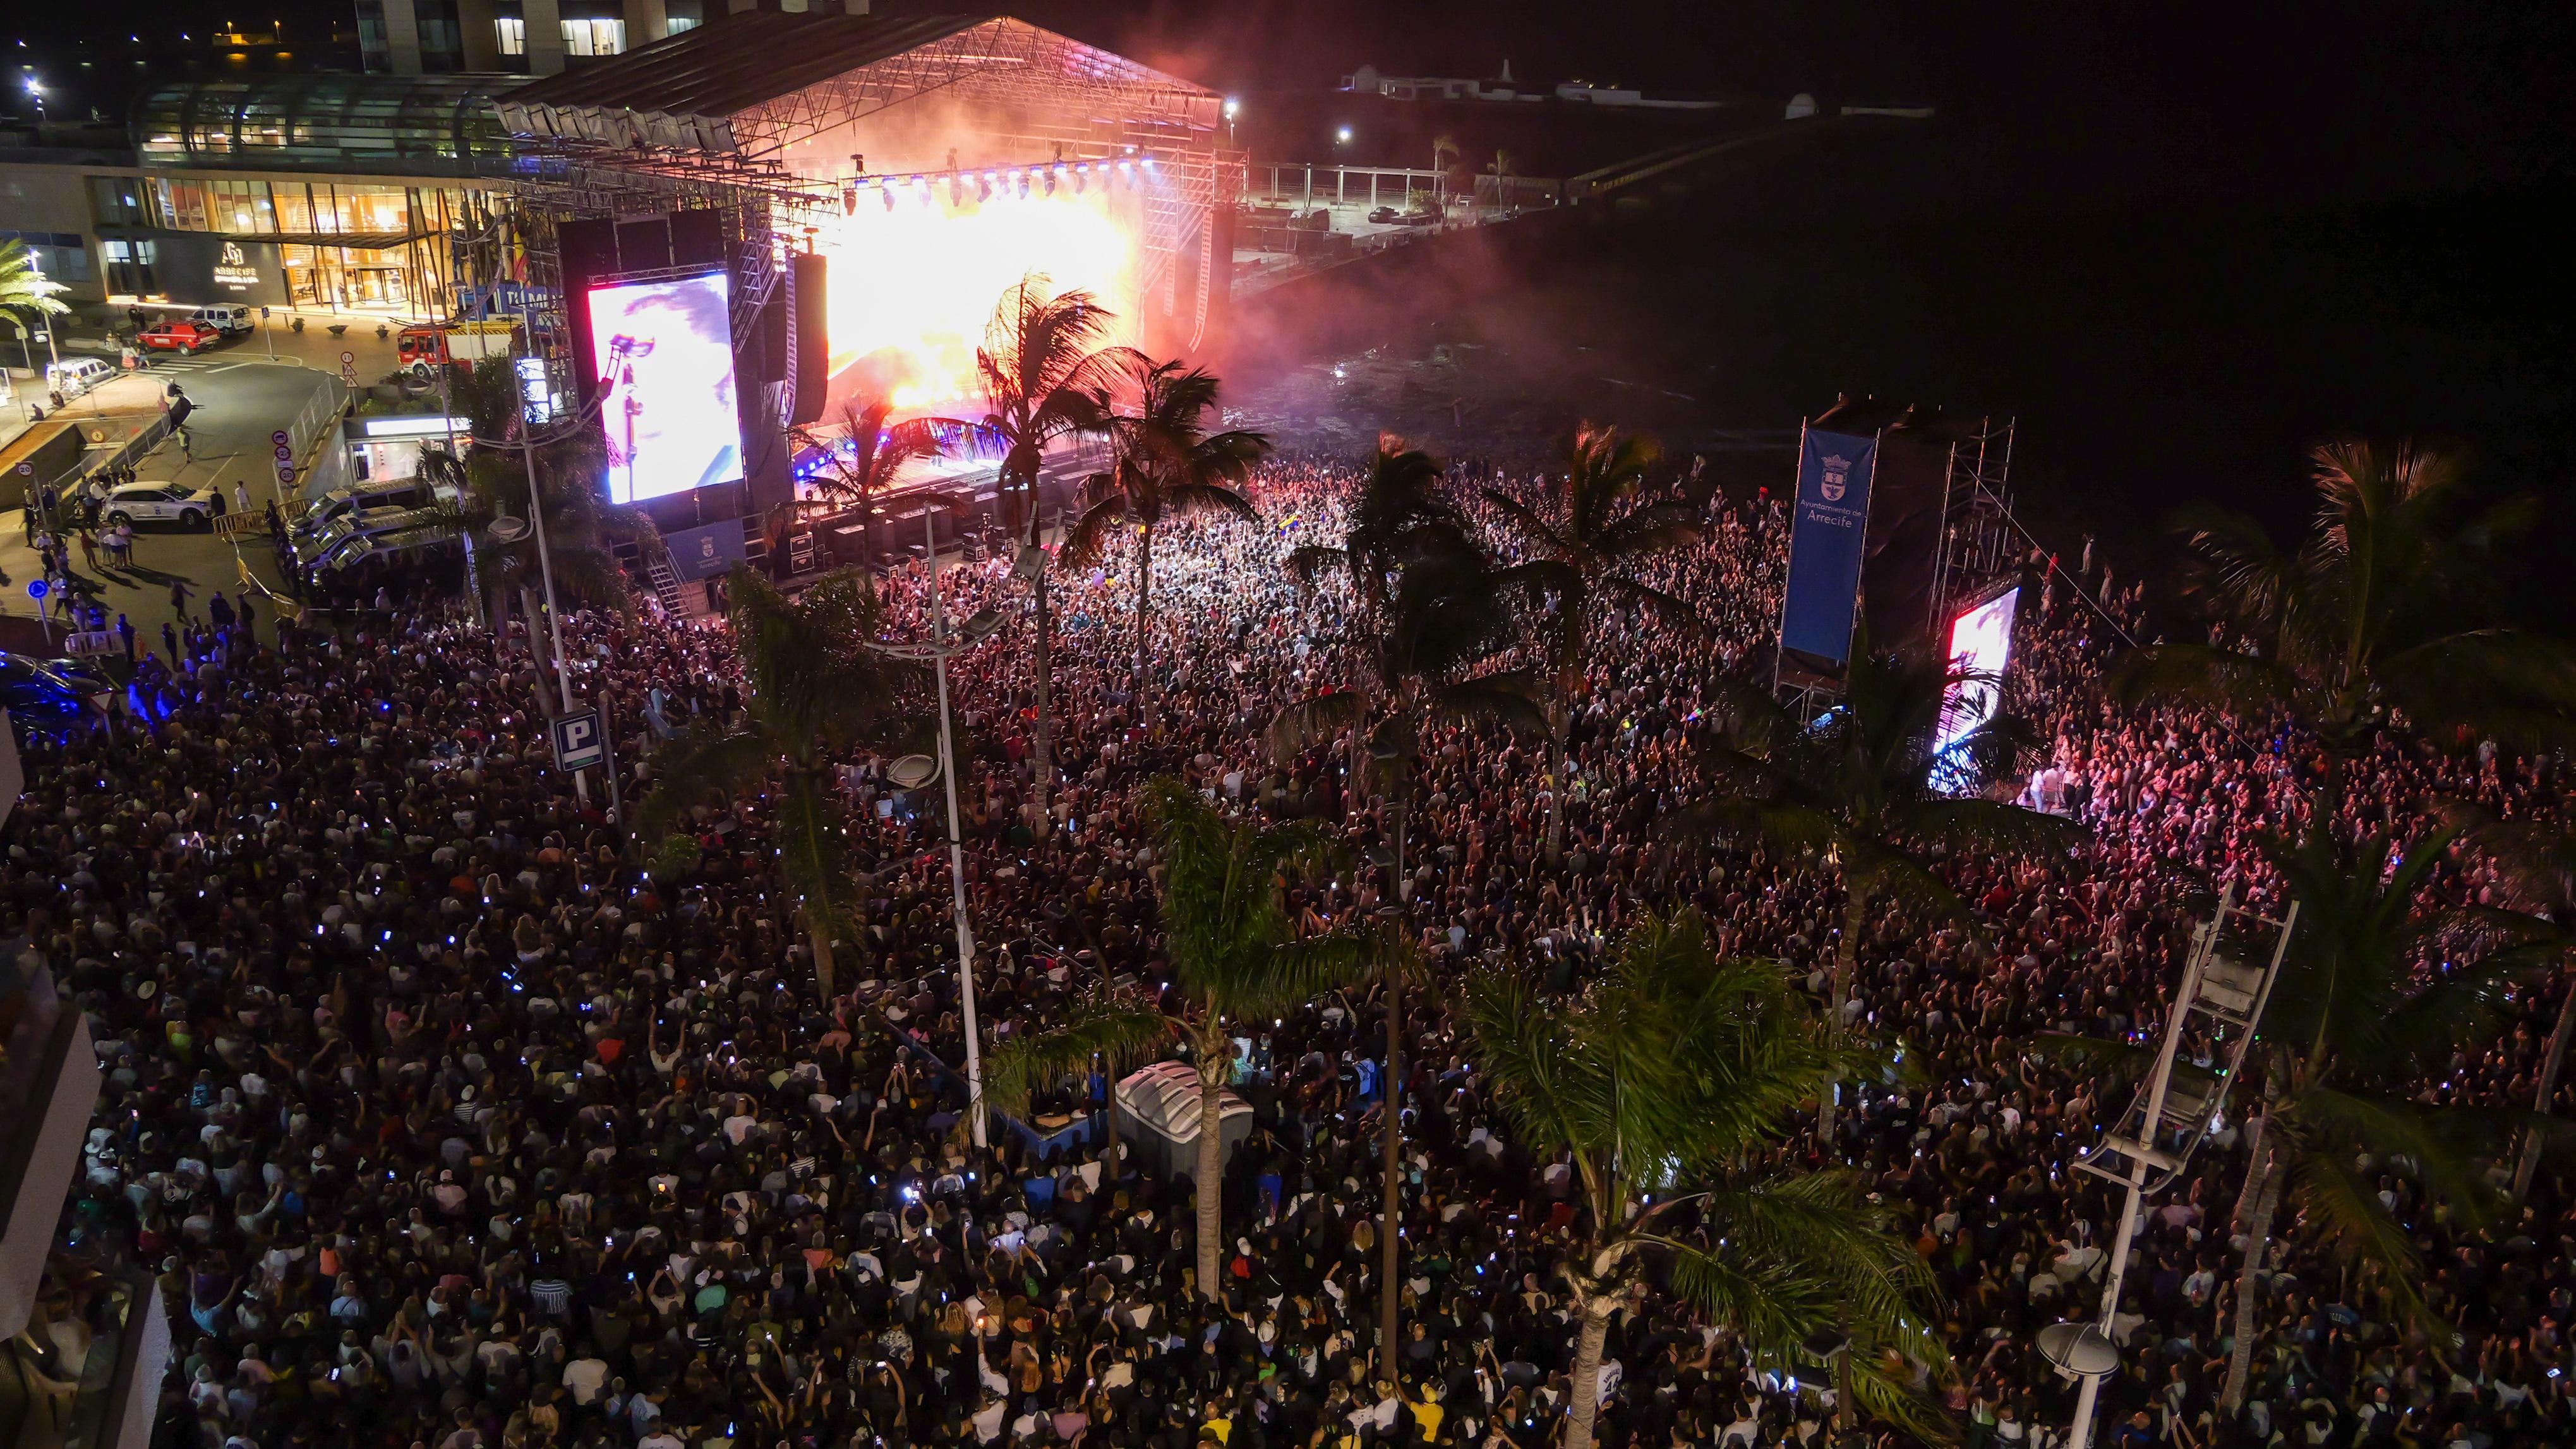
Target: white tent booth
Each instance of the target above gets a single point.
(1158, 1114)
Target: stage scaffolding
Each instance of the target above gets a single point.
(1978, 533)
(756, 114)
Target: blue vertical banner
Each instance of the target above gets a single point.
(1825, 543)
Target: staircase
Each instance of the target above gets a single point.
(2226, 980)
(679, 602)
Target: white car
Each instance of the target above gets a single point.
(229, 318)
(144, 502)
(75, 376)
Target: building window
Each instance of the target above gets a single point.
(594, 37)
(129, 265)
(117, 201)
(513, 33)
(679, 23)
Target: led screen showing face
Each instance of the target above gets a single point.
(668, 411)
(1980, 643)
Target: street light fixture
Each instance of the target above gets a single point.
(945, 642)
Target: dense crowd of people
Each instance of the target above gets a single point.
(448, 1120)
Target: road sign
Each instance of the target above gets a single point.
(280, 438)
(348, 358)
(286, 473)
(578, 742)
(27, 468)
(38, 588)
(263, 314)
(285, 454)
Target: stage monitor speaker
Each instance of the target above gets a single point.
(813, 349)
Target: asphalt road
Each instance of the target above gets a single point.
(242, 397)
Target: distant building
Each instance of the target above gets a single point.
(528, 37)
(1367, 81)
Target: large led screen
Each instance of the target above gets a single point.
(665, 353)
(1981, 644)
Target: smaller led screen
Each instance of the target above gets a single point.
(1981, 644)
(667, 407)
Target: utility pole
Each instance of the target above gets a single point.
(956, 849)
(938, 652)
(546, 572)
(2155, 1139)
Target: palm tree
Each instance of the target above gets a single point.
(1667, 1083)
(2345, 1040)
(1583, 549)
(1433, 617)
(862, 462)
(1235, 956)
(1165, 462)
(815, 692)
(1867, 785)
(23, 289)
(1046, 377)
(583, 529)
(1400, 516)
(2372, 623)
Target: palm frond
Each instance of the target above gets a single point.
(1119, 1028)
(1306, 723)
(703, 764)
(2201, 674)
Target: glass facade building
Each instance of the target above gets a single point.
(325, 192)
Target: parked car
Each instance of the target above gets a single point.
(76, 375)
(37, 695)
(399, 544)
(353, 528)
(186, 336)
(142, 502)
(86, 675)
(229, 318)
(338, 502)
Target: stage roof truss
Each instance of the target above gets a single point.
(756, 86)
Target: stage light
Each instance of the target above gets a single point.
(1233, 108)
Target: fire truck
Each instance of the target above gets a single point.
(427, 346)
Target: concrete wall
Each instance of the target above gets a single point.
(142, 1361)
(37, 1160)
(51, 197)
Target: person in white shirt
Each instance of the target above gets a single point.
(583, 1378)
(988, 1419)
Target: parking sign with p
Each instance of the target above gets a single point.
(578, 745)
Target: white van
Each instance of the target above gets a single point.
(76, 375)
(229, 318)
